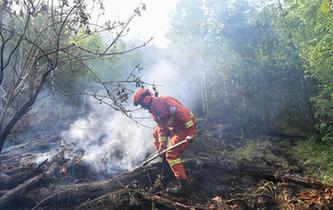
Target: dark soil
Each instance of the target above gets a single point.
(218, 181)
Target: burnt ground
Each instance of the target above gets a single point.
(224, 175)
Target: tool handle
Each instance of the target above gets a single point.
(164, 151)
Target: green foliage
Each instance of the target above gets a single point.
(255, 74)
(310, 23)
(259, 150)
(78, 78)
(56, 44)
(266, 68)
(108, 69)
(249, 151)
(318, 157)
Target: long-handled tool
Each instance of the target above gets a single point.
(164, 151)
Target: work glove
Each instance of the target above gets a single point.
(189, 139)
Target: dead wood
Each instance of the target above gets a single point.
(135, 199)
(29, 147)
(305, 181)
(72, 195)
(173, 204)
(18, 191)
(16, 179)
(270, 174)
(2, 192)
(121, 199)
(212, 175)
(18, 175)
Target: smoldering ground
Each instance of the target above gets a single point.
(113, 143)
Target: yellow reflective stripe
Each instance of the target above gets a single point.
(174, 162)
(191, 114)
(162, 138)
(189, 124)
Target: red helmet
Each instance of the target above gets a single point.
(142, 96)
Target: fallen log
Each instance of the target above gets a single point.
(19, 175)
(2, 192)
(18, 178)
(135, 199)
(211, 176)
(33, 144)
(121, 199)
(305, 181)
(269, 174)
(72, 195)
(7, 198)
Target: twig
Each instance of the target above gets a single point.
(50, 196)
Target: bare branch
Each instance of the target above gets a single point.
(18, 42)
(39, 51)
(121, 32)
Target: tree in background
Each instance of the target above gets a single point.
(309, 26)
(40, 41)
(253, 77)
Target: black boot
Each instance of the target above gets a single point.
(181, 188)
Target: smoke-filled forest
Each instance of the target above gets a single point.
(215, 105)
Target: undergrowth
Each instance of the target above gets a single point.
(317, 158)
(259, 150)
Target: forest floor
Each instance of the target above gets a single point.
(225, 173)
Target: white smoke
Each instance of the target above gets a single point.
(110, 141)
(41, 157)
(175, 82)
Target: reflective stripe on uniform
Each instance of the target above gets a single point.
(174, 162)
(189, 124)
(162, 138)
(191, 114)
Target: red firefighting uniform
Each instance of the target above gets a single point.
(175, 121)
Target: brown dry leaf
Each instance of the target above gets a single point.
(308, 195)
(314, 197)
(319, 199)
(328, 194)
(288, 206)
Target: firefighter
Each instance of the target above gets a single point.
(175, 123)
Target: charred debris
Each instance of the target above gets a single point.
(219, 180)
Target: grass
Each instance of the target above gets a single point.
(317, 158)
(249, 151)
(259, 150)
